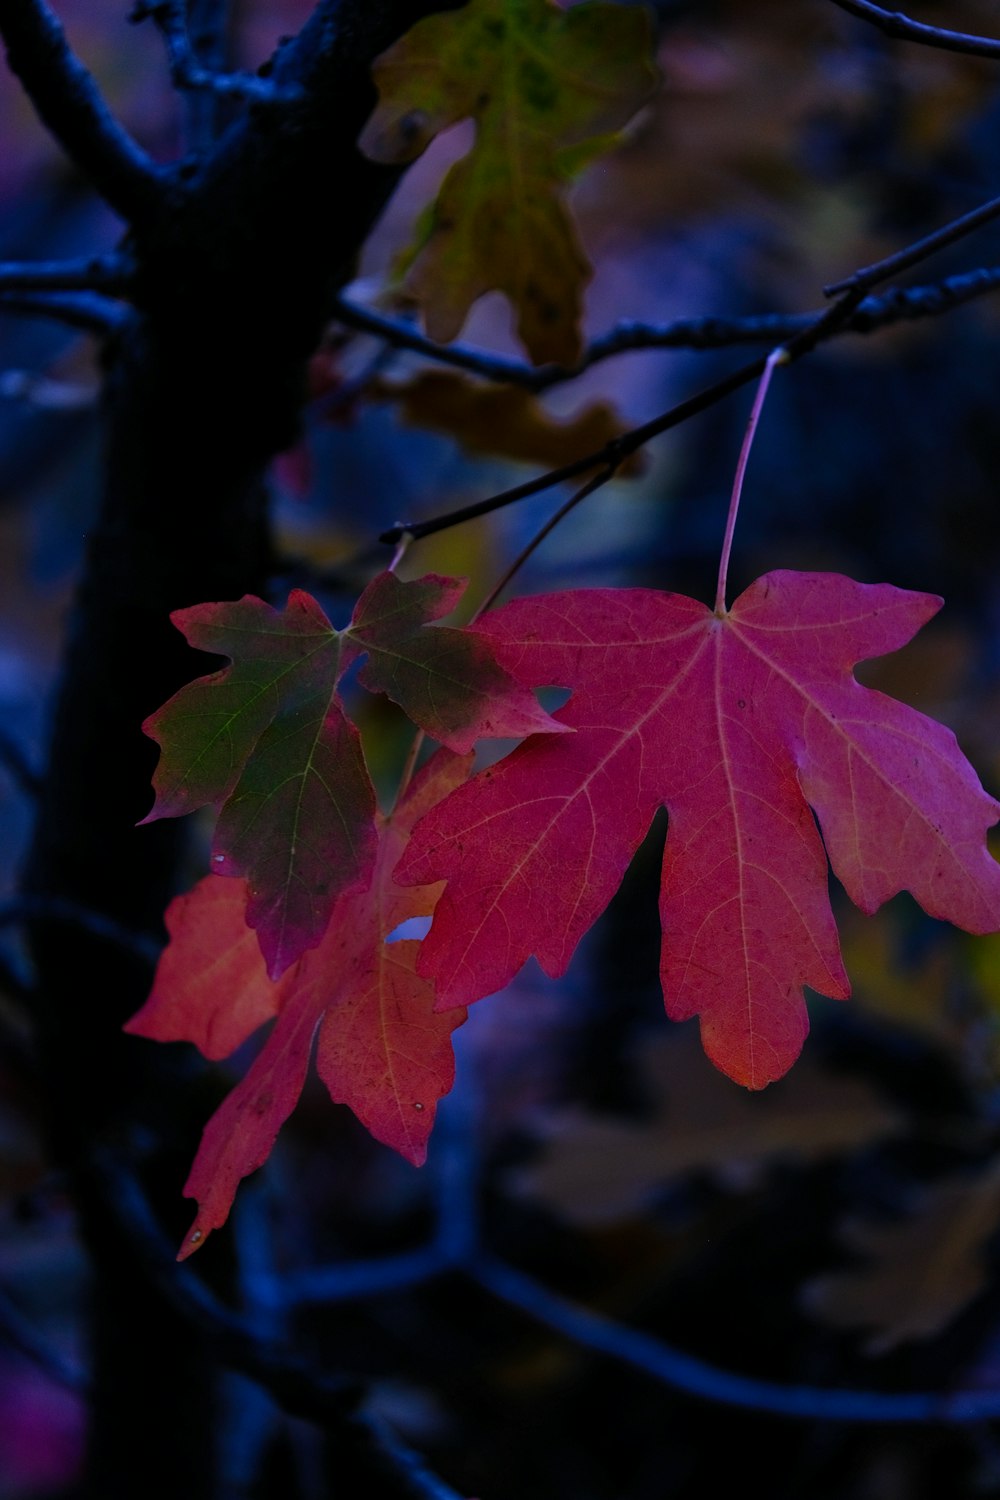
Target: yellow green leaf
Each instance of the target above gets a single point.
(547, 88)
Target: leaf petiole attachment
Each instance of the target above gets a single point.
(777, 357)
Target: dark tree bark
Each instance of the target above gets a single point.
(236, 259)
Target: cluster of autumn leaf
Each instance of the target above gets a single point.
(743, 723)
(746, 724)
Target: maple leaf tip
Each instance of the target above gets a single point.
(555, 726)
(279, 965)
(193, 1240)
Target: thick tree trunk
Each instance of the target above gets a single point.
(203, 388)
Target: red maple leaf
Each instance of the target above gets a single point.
(380, 1046)
(743, 724)
(267, 740)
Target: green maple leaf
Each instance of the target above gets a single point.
(547, 89)
(266, 739)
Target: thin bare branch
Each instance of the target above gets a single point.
(77, 292)
(15, 763)
(597, 482)
(352, 1281)
(893, 23)
(208, 32)
(18, 1332)
(898, 306)
(614, 452)
(312, 1394)
(909, 304)
(300, 1388)
(850, 298)
(610, 456)
(88, 311)
(110, 274)
(70, 105)
(685, 333)
(902, 260)
(683, 1372)
(46, 395)
(18, 910)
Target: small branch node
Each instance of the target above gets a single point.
(893, 23)
(186, 72)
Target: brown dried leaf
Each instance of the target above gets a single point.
(596, 1171)
(922, 1272)
(504, 421)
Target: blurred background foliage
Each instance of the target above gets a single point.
(839, 1230)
